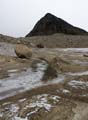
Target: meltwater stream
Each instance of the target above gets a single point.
(25, 81)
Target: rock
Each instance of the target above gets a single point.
(55, 65)
(51, 24)
(40, 45)
(85, 55)
(22, 51)
(50, 73)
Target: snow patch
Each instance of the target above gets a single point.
(78, 73)
(65, 91)
(34, 104)
(13, 70)
(14, 108)
(80, 62)
(1, 115)
(19, 118)
(78, 84)
(40, 102)
(22, 100)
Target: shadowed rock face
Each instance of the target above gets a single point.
(50, 24)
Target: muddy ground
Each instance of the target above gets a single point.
(25, 96)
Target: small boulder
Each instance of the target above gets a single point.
(22, 51)
(85, 55)
(40, 45)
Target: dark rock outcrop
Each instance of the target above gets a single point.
(51, 24)
(50, 73)
(40, 45)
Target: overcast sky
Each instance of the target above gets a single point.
(17, 17)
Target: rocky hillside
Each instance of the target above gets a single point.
(51, 24)
(59, 41)
(50, 41)
(5, 38)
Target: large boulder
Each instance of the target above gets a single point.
(22, 51)
(50, 24)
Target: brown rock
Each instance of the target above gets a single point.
(40, 45)
(22, 51)
(85, 55)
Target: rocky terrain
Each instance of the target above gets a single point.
(51, 41)
(45, 77)
(52, 84)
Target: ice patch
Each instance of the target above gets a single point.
(26, 80)
(22, 100)
(14, 108)
(77, 50)
(78, 73)
(55, 98)
(6, 103)
(65, 91)
(13, 70)
(78, 84)
(19, 118)
(84, 95)
(32, 112)
(80, 62)
(1, 115)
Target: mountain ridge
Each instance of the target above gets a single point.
(50, 24)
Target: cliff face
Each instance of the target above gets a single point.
(51, 24)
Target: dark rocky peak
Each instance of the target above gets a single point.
(50, 24)
(49, 16)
